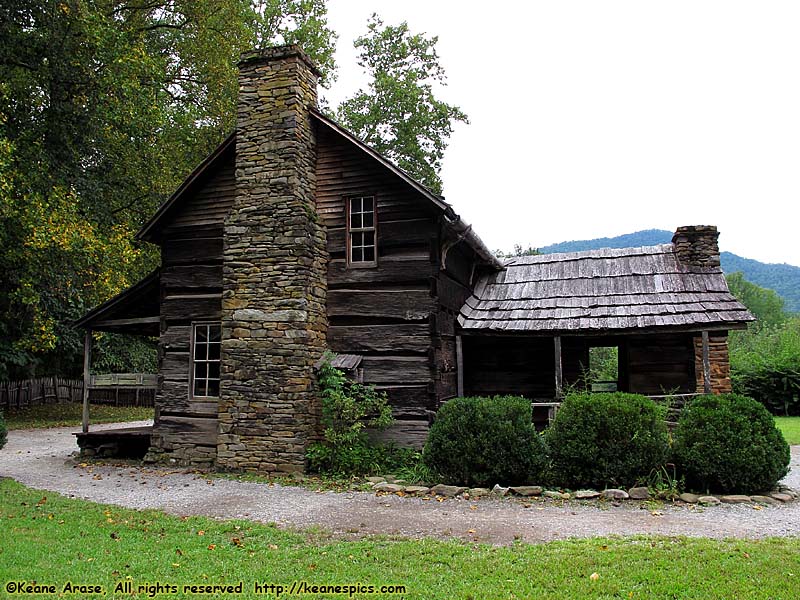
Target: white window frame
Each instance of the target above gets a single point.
(193, 379)
(365, 231)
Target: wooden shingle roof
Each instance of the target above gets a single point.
(602, 290)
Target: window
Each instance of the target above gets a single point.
(361, 246)
(604, 368)
(205, 363)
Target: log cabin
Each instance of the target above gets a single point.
(294, 238)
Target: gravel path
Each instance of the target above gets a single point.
(42, 459)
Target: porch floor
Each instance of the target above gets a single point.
(123, 442)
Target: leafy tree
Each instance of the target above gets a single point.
(399, 114)
(104, 108)
(767, 306)
(765, 358)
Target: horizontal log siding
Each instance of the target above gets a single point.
(191, 290)
(386, 313)
(661, 364)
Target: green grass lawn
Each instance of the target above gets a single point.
(62, 415)
(53, 540)
(790, 426)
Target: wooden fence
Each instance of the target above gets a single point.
(117, 389)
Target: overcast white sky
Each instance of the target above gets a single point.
(596, 118)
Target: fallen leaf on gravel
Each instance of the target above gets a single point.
(470, 531)
(473, 507)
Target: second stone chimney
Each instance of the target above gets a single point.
(696, 245)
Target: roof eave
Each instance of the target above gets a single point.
(454, 221)
(97, 312)
(150, 231)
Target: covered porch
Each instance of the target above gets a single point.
(669, 366)
(135, 311)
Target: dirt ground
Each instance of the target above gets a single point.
(43, 459)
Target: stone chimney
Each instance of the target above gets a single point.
(274, 271)
(696, 245)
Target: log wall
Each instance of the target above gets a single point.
(185, 429)
(660, 364)
(385, 313)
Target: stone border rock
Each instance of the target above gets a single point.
(389, 485)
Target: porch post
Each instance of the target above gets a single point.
(559, 374)
(706, 365)
(460, 367)
(87, 360)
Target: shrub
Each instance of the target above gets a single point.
(348, 407)
(3, 433)
(765, 365)
(483, 441)
(729, 443)
(604, 440)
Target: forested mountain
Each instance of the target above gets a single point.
(783, 278)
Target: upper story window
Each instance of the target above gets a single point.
(206, 344)
(361, 236)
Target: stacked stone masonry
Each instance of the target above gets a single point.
(696, 245)
(719, 361)
(274, 272)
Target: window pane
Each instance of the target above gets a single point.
(213, 351)
(355, 205)
(213, 388)
(356, 221)
(200, 387)
(200, 333)
(357, 255)
(369, 254)
(367, 204)
(368, 220)
(214, 333)
(213, 370)
(200, 370)
(199, 351)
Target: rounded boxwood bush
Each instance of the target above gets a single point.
(606, 440)
(729, 443)
(482, 441)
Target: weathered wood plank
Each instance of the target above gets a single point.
(450, 293)
(185, 308)
(175, 367)
(400, 304)
(201, 431)
(199, 250)
(174, 400)
(409, 401)
(176, 338)
(396, 369)
(379, 338)
(405, 433)
(389, 270)
(194, 276)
